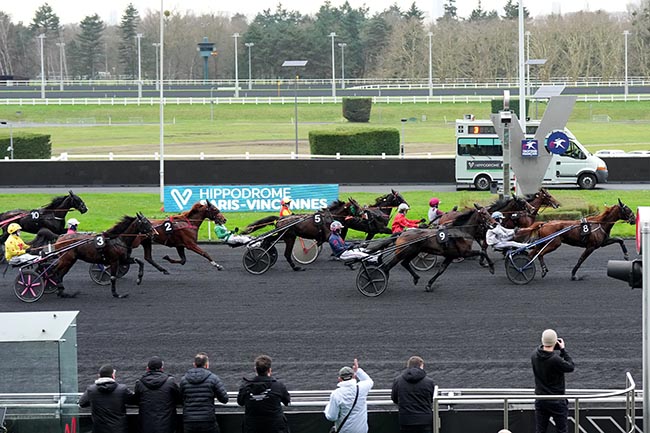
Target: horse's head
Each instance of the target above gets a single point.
(214, 214)
(625, 213)
(144, 226)
(485, 220)
(73, 201)
(546, 199)
(354, 208)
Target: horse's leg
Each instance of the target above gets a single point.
(485, 258)
(406, 263)
(551, 246)
(194, 247)
(370, 235)
(59, 272)
(444, 265)
(140, 263)
(114, 267)
(481, 261)
(146, 246)
(619, 241)
(289, 241)
(181, 254)
(582, 258)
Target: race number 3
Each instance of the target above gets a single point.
(100, 241)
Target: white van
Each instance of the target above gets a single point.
(479, 158)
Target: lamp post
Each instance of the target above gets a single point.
(430, 35)
(211, 105)
(626, 33)
(161, 91)
(401, 147)
(527, 62)
(342, 45)
(333, 35)
(295, 64)
(11, 137)
(41, 37)
(249, 45)
(138, 37)
(61, 46)
(235, 36)
(156, 46)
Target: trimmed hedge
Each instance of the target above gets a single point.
(355, 141)
(357, 109)
(27, 146)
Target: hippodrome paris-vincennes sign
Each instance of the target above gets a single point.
(250, 198)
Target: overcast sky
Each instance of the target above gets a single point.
(73, 11)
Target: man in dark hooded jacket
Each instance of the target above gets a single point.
(199, 387)
(107, 400)
(157, 394)
(262, 397)
(412, 392)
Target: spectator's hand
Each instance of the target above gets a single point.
(355, 365)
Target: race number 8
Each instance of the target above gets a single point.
(585, 229)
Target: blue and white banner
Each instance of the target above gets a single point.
(251, 198)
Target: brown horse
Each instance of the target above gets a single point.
(451, 242)
(590, 234)
(180, 232)
(314, 226)
(111, 248)
(373, 219)
(538, 201)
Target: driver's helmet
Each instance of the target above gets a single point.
(285, 201)
(403, 207)
(497, 216)
(73, 222)
(434, 202)
(13, 228)
(336, 226)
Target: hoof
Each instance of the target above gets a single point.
(544, 272)
(138, 281)
(483, 264)
(415, 280)
(298, 268)
(165, 272)
(492, 270)
(219, 267)
(428, 288)
(115, 295)
(626, 257)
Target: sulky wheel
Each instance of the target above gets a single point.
(28, 286)
(51, 285)
(520, 269)
(424, 261)
(305, 251)
(371, 280)
(257, 260)
(100, 274)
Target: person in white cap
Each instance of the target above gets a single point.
(400, 222)
(550, 361)
(348, 408)
(73, 224)
(499, 237)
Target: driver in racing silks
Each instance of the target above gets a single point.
(341, 249)
(231, 237)
(15, 248)
(500, 237)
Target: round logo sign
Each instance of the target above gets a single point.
(557, 142)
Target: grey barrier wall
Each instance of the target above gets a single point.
(238, 172)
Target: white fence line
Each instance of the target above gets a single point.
(455, 99)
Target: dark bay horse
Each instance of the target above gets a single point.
(590, 234)
(111, 248)
(451, 242)
(51, 216)
(180, 232)
(314, 226)
(373, 219)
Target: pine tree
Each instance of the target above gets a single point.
(451, 12)
(512, 11)
(90, 45)
(128, 52)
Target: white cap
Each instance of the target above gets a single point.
(73, 222)
(403, 206)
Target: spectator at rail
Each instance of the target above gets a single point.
(73, 223)
(262, 398)
(157, 394)
(230, 237)
(401, 223)
(199, 387)
(15, 248)
(550, 362)
(500, 237)
(434, 213)
(412, 392)
(348, 407)
(343, 250)
(284, 207)
(107, 400)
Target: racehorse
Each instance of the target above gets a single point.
(181, 231)
(51, 216)
(451, 242)
(541, 199)
(314, 226)
(111, 248)
(590, 233)
(373, 219)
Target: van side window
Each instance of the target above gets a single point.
(574, 152)
(479, 147)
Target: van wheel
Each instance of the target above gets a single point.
(482, 182)
(587, 181)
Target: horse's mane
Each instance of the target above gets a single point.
(499, 204)
(463, 218)
(336, 203)
(195, 207)
(56, 202)
(120, 227)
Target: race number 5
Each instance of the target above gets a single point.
(318, 219)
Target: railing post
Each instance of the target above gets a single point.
(576, 416)
(505, 413)
(436, 424)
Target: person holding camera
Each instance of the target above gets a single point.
(550, 362)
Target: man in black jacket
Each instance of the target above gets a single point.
(107, 400)
(157, 394)
(412, 392)
(549, 369)
(199, 387)
(262, 398)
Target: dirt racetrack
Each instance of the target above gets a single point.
(474, 330)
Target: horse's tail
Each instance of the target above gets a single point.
(256, 225)
(529, 233)
(44, 237)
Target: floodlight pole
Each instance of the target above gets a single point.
(522, 78)
(41, 37)
(61, 46)
(626, 33)
(333, 35)
(162, 106)
(156, 46)
(138, 36)
(236, 36)
(295, 64)
(11, 137)
(342, 45)
(250, 77)
(430, 35)
(527, 62)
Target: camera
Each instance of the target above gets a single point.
(557, 344)
(506, 117)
